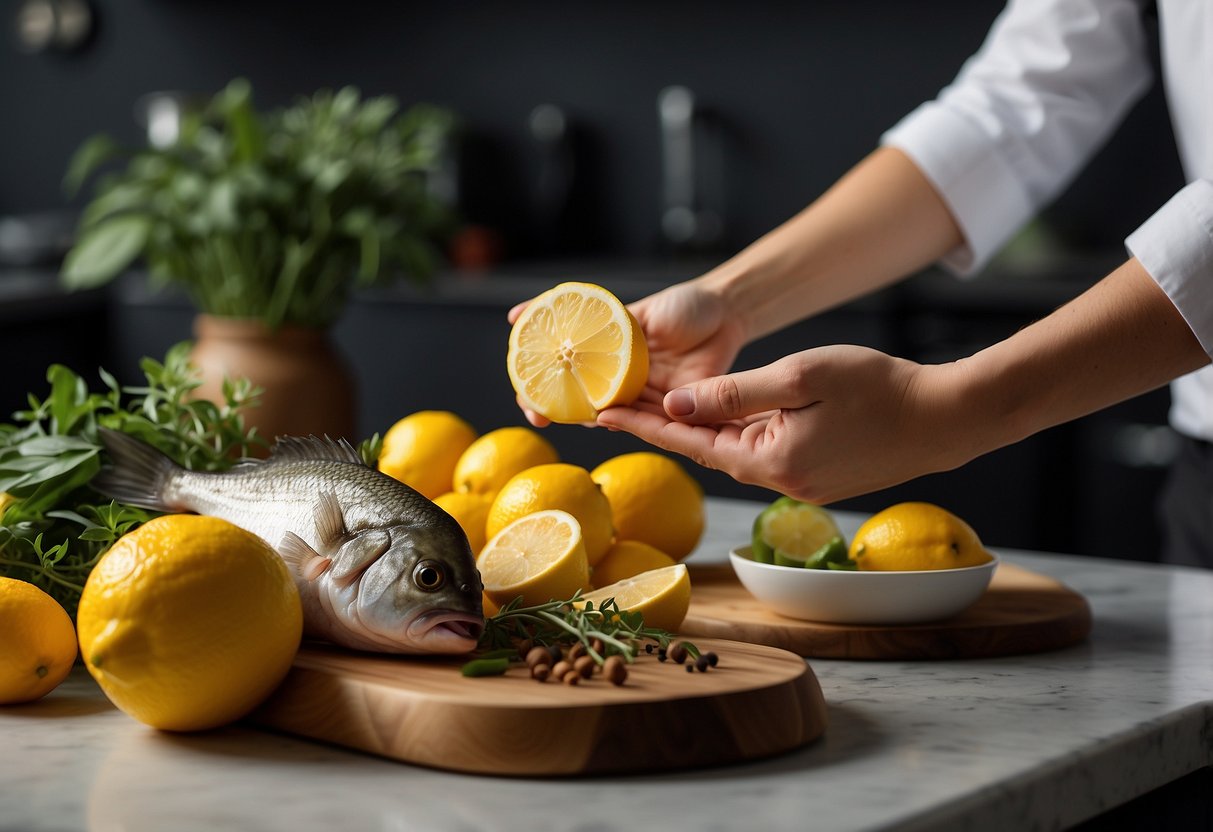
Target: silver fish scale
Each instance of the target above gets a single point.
(272, 498)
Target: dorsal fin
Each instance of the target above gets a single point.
(303, 448)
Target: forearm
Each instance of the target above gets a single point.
(1120, 338)
(879, 223)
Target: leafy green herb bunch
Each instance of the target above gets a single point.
(269, 215)
(53, 526)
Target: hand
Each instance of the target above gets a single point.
(820, 425)
(690, 337)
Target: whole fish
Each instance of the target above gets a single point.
(379, 567)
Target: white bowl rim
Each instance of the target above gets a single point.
(744, 553)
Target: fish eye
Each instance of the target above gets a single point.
(429, 575)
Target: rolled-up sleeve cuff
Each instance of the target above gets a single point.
(979, 187)
(1175, 246)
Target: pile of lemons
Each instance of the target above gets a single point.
(543, 528)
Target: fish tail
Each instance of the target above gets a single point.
(138, 473)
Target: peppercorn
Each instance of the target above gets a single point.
(701, 664)
(555, 653)
(713, 659)
(690, 668)
(648, 648)
(615, 670)
(661, 654)
(538, 655)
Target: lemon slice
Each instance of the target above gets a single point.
(540, 556)
(576, 350)
(789, 532)
(662, 596)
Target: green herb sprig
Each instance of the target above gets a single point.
(567, 622)
(276, 215)
(53, 527)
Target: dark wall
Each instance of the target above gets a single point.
(798, 91)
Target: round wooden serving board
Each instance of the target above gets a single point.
(757, 702)
(1021, 612)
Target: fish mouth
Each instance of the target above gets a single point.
(447, 631)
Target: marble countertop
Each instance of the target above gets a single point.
(1038, 741)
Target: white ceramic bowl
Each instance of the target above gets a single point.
(842, 597)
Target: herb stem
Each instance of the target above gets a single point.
(44, 572)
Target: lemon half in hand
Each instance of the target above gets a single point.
(576, 350)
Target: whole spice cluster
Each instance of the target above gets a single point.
(569, 641)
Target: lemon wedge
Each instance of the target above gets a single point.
(662, 596)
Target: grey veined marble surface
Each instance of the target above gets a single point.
(1029, 742)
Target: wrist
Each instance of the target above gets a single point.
(968, 411)
(736, 288)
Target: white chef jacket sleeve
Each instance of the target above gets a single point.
(1175, 246)
(1051, 81)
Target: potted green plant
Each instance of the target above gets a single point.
(268, 221)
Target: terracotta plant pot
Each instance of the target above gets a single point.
(308, 386)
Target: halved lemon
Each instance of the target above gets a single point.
(576, 350)
(662, 596)
(540, 556)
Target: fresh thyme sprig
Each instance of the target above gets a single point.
(603, 630)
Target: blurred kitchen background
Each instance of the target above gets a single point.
(628, 143)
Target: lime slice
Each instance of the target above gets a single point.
(794, 531)
(832, 555)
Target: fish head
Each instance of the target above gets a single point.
(406, 589)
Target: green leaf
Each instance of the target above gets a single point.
(105, 250)
(94, 152)
(118, 199)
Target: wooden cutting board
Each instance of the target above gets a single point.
(1021, 612)
(757, 702)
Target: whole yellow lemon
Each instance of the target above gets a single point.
(189, 622)
(915, 536)
(490, 461)
(421, 450)
(653, 500)
(39, 642)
